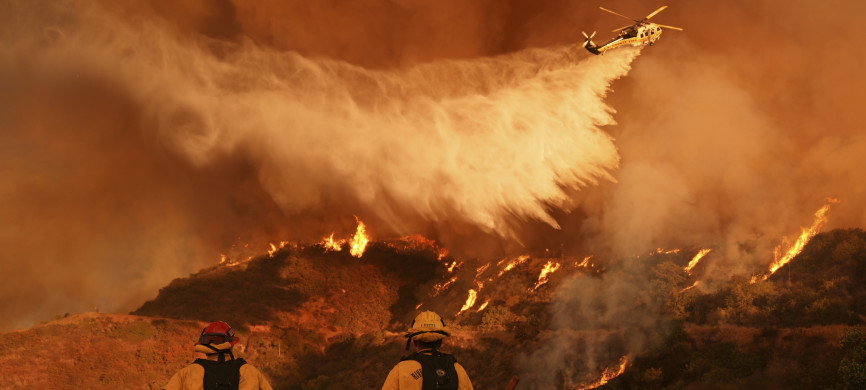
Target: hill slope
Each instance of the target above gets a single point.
(304, 315)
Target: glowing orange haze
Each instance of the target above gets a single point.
(471, 120)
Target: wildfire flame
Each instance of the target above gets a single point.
(453, 265)
(690, 287)
(696, 259)
(470, 301)
(226, 262)
(483, 305)
(443, 286)
(585, 261)
(666, 252)
(275, 248)
(359, 241)
(330, 245)
(805, 235)
(512, 264)
(548, 269)
(608, 374)
(480, 270)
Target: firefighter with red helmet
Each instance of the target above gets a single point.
(220, 369)
(427, 368)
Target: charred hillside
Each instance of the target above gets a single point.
(304, 314)
(824, 285)
(304, 287)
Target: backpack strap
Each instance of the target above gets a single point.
(437, 369)
(221, 375)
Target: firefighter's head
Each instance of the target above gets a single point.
(428, 330)
(217, 336)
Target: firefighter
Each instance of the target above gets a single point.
(427, 368)
(220, 370)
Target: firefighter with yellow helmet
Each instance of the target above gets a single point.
(427, 368)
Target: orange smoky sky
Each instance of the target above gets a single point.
(140, 139)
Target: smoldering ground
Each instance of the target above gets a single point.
(140, 140)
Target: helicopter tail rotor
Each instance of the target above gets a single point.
(588, 40)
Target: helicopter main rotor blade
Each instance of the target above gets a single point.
(670, 27)
(655, 12)
(620, 15)
(621, 28)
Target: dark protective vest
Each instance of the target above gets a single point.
(221, 375)
(438, 370)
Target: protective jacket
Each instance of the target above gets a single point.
(409, 375)
(191, 377)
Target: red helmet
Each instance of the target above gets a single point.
(217, 333)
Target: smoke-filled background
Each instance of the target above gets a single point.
(139, 141)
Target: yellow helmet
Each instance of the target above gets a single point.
(427, 327)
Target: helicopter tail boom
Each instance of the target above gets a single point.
(589, 44)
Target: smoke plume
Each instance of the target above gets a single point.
(139, 140)
(136, 142)
(596, 322)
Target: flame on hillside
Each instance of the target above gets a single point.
(275, 248)
(330, 245)
(438, 288)
(805, 235)
(470, 301)
(357, 244)
(607, 375)
(696, 259)
(226, 262)
(483, 305)
(585, 262)
(513, 263)
(666, 252)
(359, 241)
(695, 284)
(480, 270)
(548, 269)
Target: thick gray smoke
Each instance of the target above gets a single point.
(598, 323)
(730, 139)
(139, 139)
(121, 129)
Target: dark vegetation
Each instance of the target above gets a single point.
(800, 329)
(313, 320)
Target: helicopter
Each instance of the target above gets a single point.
(641, 33)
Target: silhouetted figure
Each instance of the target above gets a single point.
(220, 370)
(427, 368)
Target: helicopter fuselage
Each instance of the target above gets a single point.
(637, 35)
